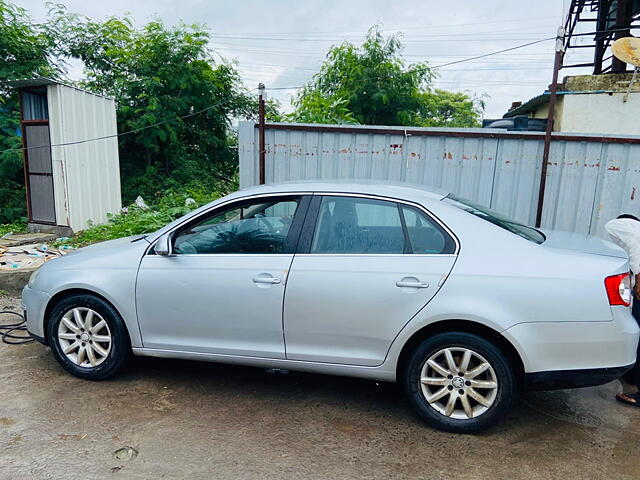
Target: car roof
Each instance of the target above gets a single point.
(400, 191)
(386, 189)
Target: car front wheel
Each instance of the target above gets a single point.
(459, 382)
(88, 337)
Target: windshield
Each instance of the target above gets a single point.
(501, 221)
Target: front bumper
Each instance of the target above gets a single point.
(34, 303)
(559, 379)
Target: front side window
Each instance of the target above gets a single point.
(258, 227)
(350, 225)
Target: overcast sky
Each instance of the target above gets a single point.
(282, 42)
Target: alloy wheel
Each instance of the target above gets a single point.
(458, 383)
(84, 337)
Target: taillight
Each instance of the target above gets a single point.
(618, 289)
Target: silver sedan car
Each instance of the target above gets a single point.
(458, 303)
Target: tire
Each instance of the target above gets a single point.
(486, 406)
(101, 359)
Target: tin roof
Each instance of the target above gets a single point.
(33, 82)
(43, 81)
(529, 106)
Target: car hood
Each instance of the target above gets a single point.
(581, 242)
(103, 254)
(111, 244)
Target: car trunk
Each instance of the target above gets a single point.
(582, 243)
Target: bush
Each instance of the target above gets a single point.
(137, 221)
(15, 227)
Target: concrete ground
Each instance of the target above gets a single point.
(203, 421)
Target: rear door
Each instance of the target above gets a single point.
(365, 266)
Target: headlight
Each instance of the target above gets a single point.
(32, 278)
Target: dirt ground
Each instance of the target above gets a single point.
(204, 421)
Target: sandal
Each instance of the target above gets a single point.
(632, 399)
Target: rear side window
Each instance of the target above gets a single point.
(354, 225)
(358, 226)
(425, 235)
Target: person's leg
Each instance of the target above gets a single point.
(633, 376)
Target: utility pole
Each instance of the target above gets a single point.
(261, 148)
(553, 94)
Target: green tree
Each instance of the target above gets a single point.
(156, 75)
(315, 107)
(372, 84)
(441, 108)
(26, 50)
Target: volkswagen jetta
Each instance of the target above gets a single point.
(461, 305)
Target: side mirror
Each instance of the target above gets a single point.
(163, 245)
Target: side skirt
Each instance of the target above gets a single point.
(371, 373)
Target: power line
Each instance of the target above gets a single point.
(128, 132)
(455, 62)
(495, 53)
(136, 130)
(537, 66)
(413, 39)
(516, 20)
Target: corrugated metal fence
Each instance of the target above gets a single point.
(590, 179)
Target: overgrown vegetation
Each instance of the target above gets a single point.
(137, 221)
(15, 227)
(158, 74)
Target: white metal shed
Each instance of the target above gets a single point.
(72, 169)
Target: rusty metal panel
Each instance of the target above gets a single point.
(590, 178)
(516, 179)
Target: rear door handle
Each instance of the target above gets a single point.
(268, 280)
(411, 284)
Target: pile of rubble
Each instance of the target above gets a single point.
(19, 251)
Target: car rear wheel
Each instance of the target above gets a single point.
(459, 382)
(88, 337)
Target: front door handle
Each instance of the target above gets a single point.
(265, 279)
(412, 284)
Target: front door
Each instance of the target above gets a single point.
(369, 266)
(221, 290)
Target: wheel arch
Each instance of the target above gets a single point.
(466, 326)
(70, 292)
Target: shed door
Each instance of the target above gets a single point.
(40, 176)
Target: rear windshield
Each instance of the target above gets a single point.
(501, 221)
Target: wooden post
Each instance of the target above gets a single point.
(261, 148)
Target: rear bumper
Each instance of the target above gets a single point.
(549, 347)
(559, 379)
